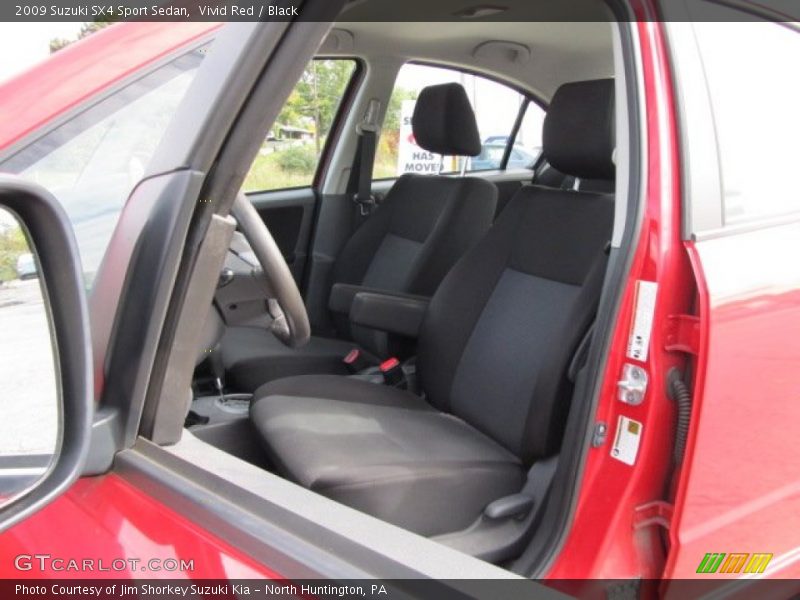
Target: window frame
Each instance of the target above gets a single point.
(94, 113)
(337, 126)
(528, 99)
(120, 86)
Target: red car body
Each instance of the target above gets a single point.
(723, 316)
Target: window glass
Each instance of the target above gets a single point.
(496, 109)
(289, 155)
(30, 404)
(755, 91)
(528, 143)
(92, 162)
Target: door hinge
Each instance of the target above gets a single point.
(657, 512)
(683, 334)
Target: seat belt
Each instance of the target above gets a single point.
(540, 166)
(360, 183)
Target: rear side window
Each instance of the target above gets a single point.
(754, 87)
(92, 162)
(497, 108)
(290, 154)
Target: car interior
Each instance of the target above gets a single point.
(407, 345)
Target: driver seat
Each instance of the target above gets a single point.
(408, 244)
(494, 350)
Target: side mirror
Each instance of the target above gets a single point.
(45, 352)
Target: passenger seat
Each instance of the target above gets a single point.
(494, 350)
(410, 242)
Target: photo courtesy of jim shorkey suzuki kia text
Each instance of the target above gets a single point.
(164, 10)
(166, 590)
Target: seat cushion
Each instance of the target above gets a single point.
(383, 451)
(253, 356)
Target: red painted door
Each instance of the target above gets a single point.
(739, 490)
(105, 527)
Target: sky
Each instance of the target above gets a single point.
(24, 44)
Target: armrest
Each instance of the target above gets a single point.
(393, 313)
(342, 295)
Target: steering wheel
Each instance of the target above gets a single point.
(285, 304)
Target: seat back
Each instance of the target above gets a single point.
(426, 223)
(502, 328)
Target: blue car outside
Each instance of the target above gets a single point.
(491, 157)
(26, 266)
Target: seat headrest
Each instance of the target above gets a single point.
(444, 123)
(578, 134)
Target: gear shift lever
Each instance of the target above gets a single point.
(218, 372)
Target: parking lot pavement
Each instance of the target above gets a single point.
(29, 399)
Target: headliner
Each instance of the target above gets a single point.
(560, 51)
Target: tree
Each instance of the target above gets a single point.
(316, 97)
(87, 29)
(12, 244)
(389, 144)
(399, 95)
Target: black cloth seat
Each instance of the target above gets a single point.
(494, 349)
(409, 243)
(384, 451)
(253, 356)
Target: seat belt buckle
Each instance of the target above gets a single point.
(392, 372)
(355, 361)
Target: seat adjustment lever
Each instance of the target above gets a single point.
(516, 505)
